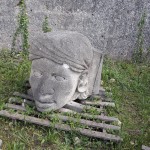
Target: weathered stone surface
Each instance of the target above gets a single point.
(8, 22)
(111, 25)
(65, 67)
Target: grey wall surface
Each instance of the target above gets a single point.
(8, 22)
(111, 25)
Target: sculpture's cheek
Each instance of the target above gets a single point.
(64, 92)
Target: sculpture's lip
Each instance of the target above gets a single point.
(45, 109)
(45, 99)
(43, 105)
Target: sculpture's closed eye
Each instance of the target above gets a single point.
(37, 74)
(58, 77)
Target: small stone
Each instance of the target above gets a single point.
(10, 124)
(119, 123)
(6, 129)
(112, 80)
(132, 143)
(77, 141)
(102, 82)
(1, 142)
(108, 89)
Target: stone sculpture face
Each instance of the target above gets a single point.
(65, 67)
(54, 84)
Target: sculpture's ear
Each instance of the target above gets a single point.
(83, 82)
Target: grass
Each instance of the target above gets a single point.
(130, 87)
(131, 92)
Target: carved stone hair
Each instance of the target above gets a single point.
(61, 47)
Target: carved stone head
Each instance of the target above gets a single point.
(65, 67)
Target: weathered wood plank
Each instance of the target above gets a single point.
(145, 147)
(103, 118)
(64, 127)
(97, 103)
(24, 96)
(75, 107)
(16, 107)
(25, 101)
(79, 107)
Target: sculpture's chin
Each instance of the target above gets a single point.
(45, 107)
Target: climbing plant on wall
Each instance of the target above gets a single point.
(22, 28)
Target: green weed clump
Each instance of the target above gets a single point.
(14, 71)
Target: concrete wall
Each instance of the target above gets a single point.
(8, 21)
(111, 25)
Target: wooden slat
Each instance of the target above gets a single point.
(79, 107)
(16, 107)
(106, 99)
(64, 127)
(103, 118)
(97, 103)
(75, 107)
(25, 101)
(23, 96)
(29, 102)
(12, 100)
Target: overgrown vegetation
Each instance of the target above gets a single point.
(130, 90)
(139, 55)
(45, 26)
(22, 28)
(129, 84)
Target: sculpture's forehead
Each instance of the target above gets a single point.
(46, 65)
(43, 62)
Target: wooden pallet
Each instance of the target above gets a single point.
(97, 126)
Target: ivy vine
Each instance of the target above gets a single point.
(22, 27)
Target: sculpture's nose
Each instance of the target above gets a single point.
(47, 86)
(46, 95)
(47, 91)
